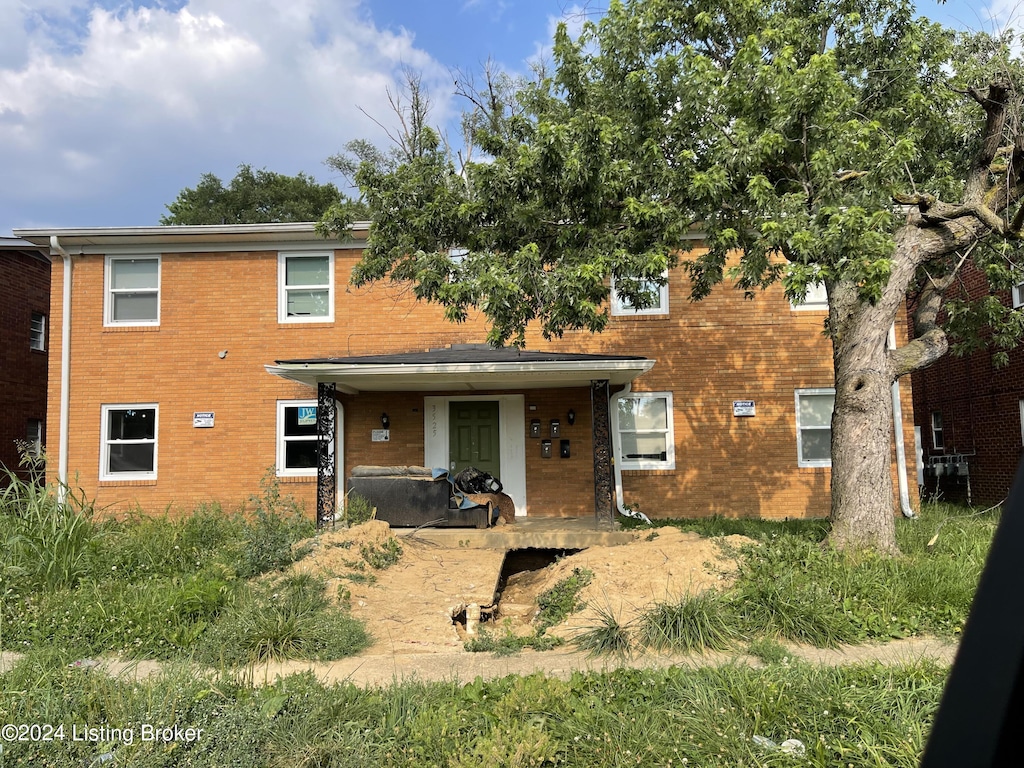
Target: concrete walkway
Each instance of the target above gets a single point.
(460, 666)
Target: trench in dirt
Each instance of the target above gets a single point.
(518, 563)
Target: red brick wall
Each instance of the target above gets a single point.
(24, 289)
(722, 349)
(980, 411)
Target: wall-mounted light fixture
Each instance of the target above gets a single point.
(385, 422)
(571, 418)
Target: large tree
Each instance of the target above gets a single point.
(837, 141)
(255, 197)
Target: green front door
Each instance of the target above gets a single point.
(473, 436)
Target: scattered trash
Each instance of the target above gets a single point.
(793, 747)
(106, 757)
(788, 747)
(84, 664)
(762, 741)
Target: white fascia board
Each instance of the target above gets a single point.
(572, 373)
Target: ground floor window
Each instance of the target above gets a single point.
(296, 438)
(34, 437)
(814, 427)
(129, 442)
(645, 432)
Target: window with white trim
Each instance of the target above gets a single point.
(816, 298)
(644, 431)
(1017, 294)
(621, 305)
(133, 291)
(305, 287)
(814, 427)
(34, 437)
(938, 441)
(296, 438)
(37, 331)
(128, 451)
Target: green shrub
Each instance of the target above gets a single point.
(284, 618)
(697, 623)
(557, 603)
(607, 637)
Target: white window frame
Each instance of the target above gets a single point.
(283, 440)
(283, 288)
(106, 442)
(37, 332)
(34, 434)
(815, 300)
(800, 460)
(938, 429)
(669, 432)
(108, 292)
(1017, 295)
(620, 308)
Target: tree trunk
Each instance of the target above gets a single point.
(862, 492)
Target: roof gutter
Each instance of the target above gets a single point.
(65, 371)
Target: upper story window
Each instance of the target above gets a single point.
(622, 306)
(814, 427)
(37, 331)
(128, 451)
(305, 287)
(816, 298)
(645, 431)
(1018, 295)
(133, 291)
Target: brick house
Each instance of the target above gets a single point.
(24, 314)
(969, 416)
(200, 356)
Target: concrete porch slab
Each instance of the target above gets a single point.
(524, 533)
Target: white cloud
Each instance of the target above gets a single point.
(97, 101)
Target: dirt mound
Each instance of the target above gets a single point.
(659, 566)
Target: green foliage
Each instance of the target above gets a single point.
(769, 651)
(283, 618)
(859, 715)
(507, 642)
(556, 604)
(47, 544)
(253, 197)
(358, 509)
(382, 556)
(697, 623)
(607, 637)
(278, 523)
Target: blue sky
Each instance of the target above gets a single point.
(109, 107)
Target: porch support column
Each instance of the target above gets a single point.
(602, 436)
(326, 481)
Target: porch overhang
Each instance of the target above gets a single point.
(467, 370)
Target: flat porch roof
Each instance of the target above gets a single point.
(463, 368)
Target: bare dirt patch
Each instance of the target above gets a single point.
(409, 606)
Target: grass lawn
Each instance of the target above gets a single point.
(210, 588)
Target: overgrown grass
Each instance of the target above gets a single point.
(862, 715)
(790, 587)
(156, 587)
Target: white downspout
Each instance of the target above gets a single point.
(620, 501)
(65, 372)
(901, 451)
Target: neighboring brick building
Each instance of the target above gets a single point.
(970, 416)
(24, 316)
(198, 355)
